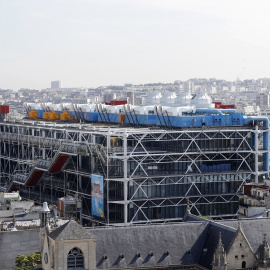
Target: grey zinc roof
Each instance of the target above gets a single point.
(71, 231)
(176, 239)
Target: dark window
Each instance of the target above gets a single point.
(243, 264)
(75, 259)
(236, 256)
(242, 256)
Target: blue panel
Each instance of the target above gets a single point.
(40, 113)
(92, 116)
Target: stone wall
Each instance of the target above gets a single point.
(17, 242)
(240, 254)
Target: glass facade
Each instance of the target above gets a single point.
(149, 174)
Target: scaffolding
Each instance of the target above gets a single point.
(149, 173)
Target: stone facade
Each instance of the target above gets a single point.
(56, 248)
(240, 254)
(219, 258)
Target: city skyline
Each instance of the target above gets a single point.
(93, 43)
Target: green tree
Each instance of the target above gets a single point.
(27, 262)
(205, 217)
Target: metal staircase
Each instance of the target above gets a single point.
(41, 166)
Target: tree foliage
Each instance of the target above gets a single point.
(27, 262)
(205, 217)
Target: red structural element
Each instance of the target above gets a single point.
(59, 163)
(4, 109)
(228, 106)
(14, 187)
(116, 102)
(34, 178)
(247, 189)
(219, 105)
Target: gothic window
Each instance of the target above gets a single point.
(243, 264)
(75, 259)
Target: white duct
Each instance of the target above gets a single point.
(149, 110)
(84, 107)
(109, 108)
(66, 106)
(186, 109)
(178, 111)
(158, 109)
(137, 109)
(92, 107)
(119, 109)
(33, 106)
(100, 107)
(170, 111)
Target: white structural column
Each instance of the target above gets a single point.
(33, 147)
(256, 154)
(80, 162)
(107, 174)
(139, 183)
(125, 179)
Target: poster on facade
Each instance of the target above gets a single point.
(97, 195)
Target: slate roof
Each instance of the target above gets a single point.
(211, 241)
(191, 242)
(191, 217)
(253, 229)
(182, 241)
(71, 231)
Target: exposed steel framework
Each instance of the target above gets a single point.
(148, 173)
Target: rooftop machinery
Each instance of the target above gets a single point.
(142, 167)
(190, 111)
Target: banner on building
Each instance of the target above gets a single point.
(97, 195)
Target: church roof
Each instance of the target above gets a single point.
(253, 229)
(191, 242)
(170, 244)
(190, 217)
(211, 241)
(71, 231)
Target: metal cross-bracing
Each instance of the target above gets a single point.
(149, 173)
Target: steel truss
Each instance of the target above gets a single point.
(148, 173)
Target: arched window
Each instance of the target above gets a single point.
(243, 264)
(75, 259)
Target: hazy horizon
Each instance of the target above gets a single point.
(92, 43)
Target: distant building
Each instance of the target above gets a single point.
(109, 97)
(55, 84)
(254, 201)
(189, 87)
(132, 97)
(262, 100)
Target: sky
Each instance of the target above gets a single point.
(89, 43)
